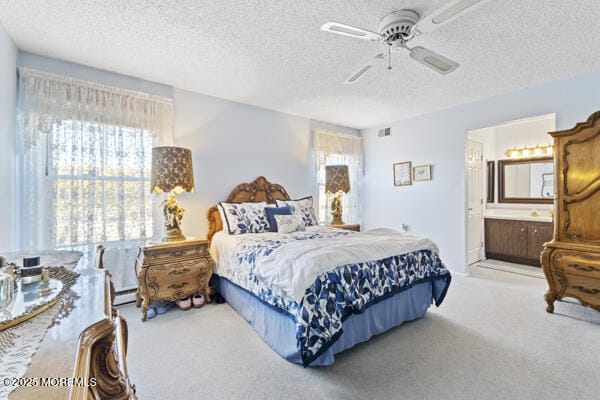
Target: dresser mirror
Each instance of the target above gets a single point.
(528, 180)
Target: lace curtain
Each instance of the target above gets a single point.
(85, 158)
(332, 148)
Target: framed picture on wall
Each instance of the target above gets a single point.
(422, 173)
(402, 174)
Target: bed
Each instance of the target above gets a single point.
(314, 293)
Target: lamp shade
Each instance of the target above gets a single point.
(337, 178)
(172, 170)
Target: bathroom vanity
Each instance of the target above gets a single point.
(518, 239)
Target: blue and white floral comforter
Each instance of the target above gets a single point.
(321, 276)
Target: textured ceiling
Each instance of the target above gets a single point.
(272, 54)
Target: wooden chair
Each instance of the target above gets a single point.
(99, 259)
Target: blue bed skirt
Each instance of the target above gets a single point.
(278, 330)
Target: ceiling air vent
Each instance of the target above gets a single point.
(385, 132)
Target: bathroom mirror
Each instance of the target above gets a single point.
(528, 180)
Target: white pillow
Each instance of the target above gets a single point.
(289, 223)
(301, 207)
(244, 217)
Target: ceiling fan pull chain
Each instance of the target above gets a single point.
(389, 58)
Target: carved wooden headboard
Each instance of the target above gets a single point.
(258, 190)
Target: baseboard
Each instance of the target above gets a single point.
(500, 265)
(124, 298)
(515, 260)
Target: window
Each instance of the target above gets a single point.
(101, 179)
(338, 149)
(84, 167)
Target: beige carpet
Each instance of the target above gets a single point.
(491, 339)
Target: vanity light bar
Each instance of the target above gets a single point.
(537, 151)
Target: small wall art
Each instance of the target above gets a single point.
(402, 175)
(422, 173)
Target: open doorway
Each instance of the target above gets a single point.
(509, 213)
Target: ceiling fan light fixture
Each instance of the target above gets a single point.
(453, 10)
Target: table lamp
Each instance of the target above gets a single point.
(337, 181)
(172, 172)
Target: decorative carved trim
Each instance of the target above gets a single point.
(562, 280)
(586, 290)
(567, 223)
(591, 121)
(579, 258)
(565, 169)
(590, 189)
(585, 269)
(101, 358)
(551, 295)
(258, 190)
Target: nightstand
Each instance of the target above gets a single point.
(348, 227)
(172, 271)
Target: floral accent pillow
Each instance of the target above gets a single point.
(289, 223)
(301, 207)
(244, 217)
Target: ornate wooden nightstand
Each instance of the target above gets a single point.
(348, 227)
(172, 271)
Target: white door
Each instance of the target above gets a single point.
(475, 201)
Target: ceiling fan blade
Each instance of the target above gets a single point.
(447, 13)
(363, 70)
(433, 60)
(347, 30)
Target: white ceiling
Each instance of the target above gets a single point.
(272, 54)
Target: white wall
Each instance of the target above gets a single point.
(233, 143)
(78, 71)
(520, 134)
(8, 96)
(437, 208)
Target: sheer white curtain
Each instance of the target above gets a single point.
(331, 148)
(84, 164)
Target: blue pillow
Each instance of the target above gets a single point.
(272, 211)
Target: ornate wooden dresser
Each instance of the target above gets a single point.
(172, 271)
(571, 261)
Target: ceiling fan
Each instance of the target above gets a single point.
(399, 27)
